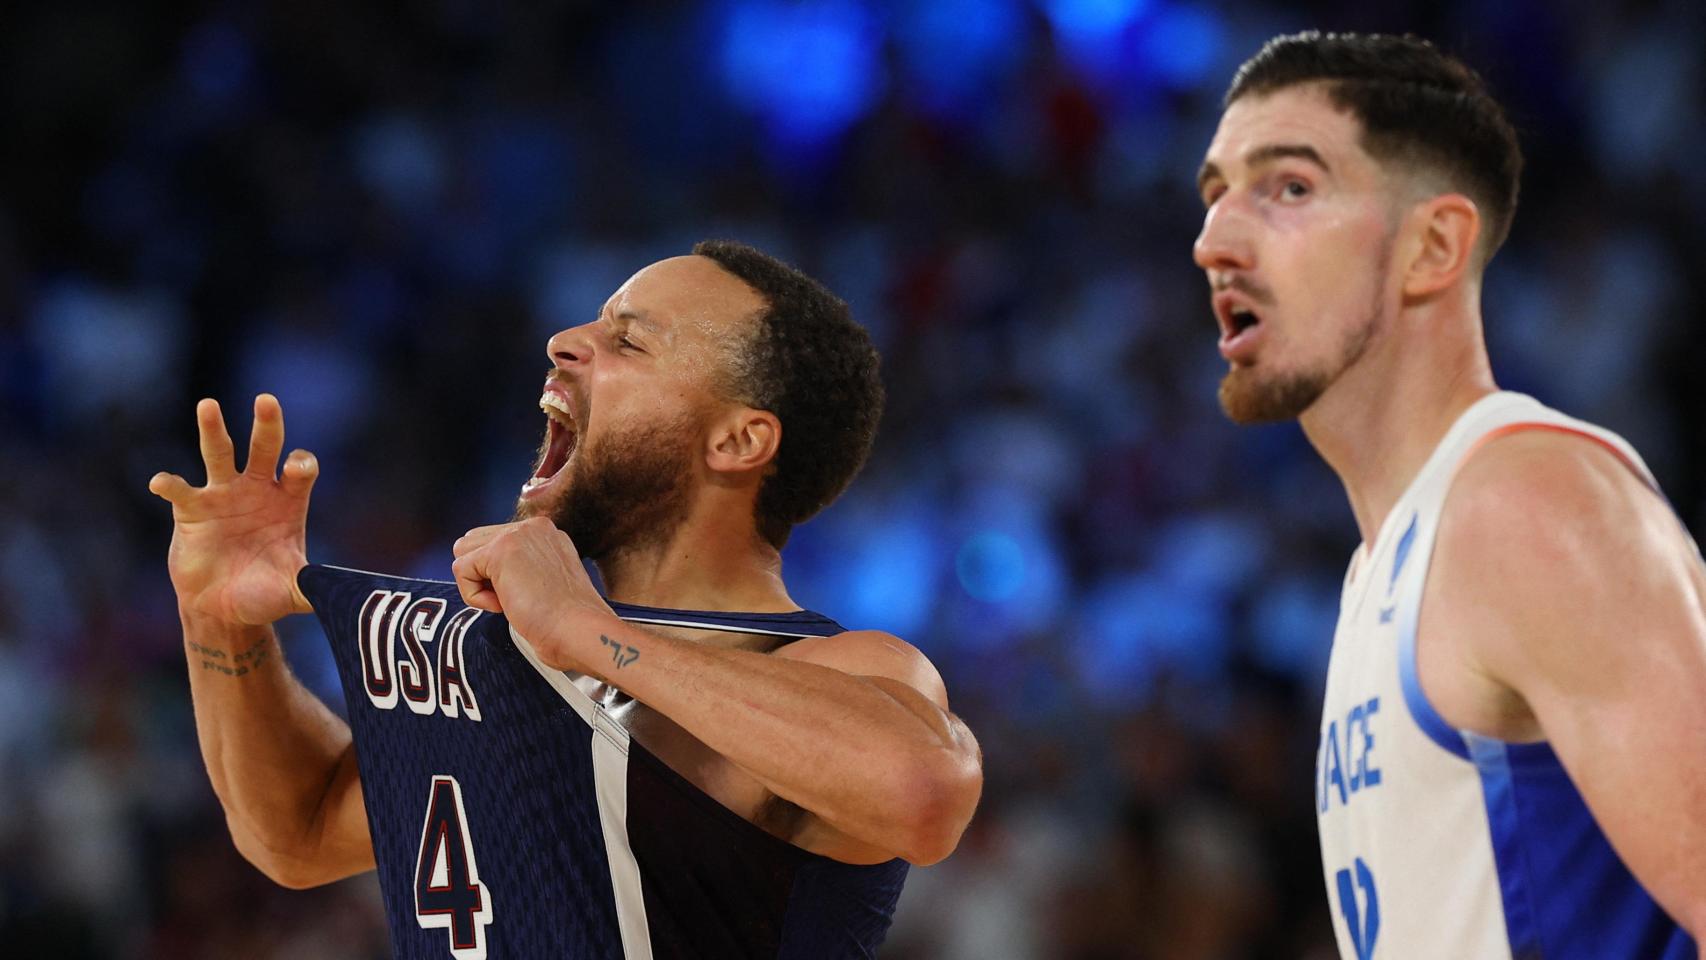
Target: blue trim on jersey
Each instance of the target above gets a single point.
(1566, 894)
(1506, 827)
(1402, 553)
(1421, 710)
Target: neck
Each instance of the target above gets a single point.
(713, 561)
(1378, 423)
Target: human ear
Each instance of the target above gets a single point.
(744, 440)
(1444, 231)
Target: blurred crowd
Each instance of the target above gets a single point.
(380, 212)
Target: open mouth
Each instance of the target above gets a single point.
(560, 442)
(1240, 329)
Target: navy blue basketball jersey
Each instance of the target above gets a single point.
(512, 817)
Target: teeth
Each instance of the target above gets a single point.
(554, 406)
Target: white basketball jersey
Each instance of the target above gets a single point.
(1437, 842)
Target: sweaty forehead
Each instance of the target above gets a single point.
(686, 297)
(1300, 115)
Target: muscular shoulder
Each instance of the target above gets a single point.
(1563, 504)
(1545, 538)
(872, 653)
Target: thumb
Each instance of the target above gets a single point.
(301, 469)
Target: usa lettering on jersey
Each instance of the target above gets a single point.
(395, 631)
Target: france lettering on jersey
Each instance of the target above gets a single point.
(1438, 842)
(512, 817)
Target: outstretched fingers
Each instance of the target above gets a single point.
(266, 438)
(216, 450)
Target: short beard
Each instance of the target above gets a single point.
(628, 493)
(1248, 399)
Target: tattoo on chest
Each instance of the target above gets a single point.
(620, 654)
(239, 663)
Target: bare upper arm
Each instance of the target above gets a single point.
(874, 654)
(1561, 579)
(909, 678)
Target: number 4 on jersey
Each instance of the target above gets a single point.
(448, 891)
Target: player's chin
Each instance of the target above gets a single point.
(1250, 396)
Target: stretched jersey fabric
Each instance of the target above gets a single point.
(512, 817)
(1438, 842)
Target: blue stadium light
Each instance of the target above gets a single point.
(955, 50)
(892, 582)
(1014, 581)
(810, 69)
(875, 561)
(1093, 18)
(1090, 31)
(991, 566)
(1183, 46)
(1137, 626)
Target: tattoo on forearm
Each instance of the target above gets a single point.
(619, 654)
(239, 663)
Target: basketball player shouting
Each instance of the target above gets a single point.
(1513, 749)
(691, 767)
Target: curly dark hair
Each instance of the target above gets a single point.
(807, 361)
(1417, 106)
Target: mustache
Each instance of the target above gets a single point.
(1238, 283)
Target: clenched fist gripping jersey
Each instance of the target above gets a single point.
(511, 817)
(1438, 842)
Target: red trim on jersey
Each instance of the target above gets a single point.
(1511, 428)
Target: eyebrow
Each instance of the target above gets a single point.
(637, 316)
(1266, 153)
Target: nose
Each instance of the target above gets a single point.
(571, 348)
(1225, 242)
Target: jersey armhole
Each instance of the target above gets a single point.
(1455, 740)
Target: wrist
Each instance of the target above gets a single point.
(210, 629)
(598, 644)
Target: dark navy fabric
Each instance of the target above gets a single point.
(714, 885)
(725, 888)
(525, 770)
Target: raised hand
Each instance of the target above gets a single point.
(238, 542)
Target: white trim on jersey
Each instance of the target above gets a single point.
(610, 779)
(722, 627)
